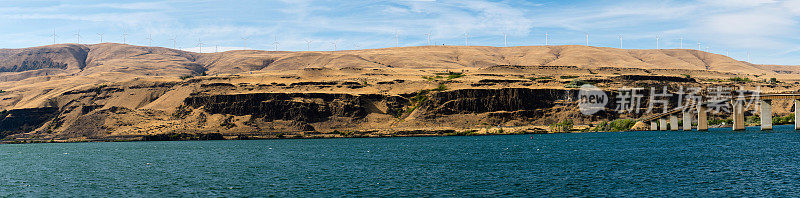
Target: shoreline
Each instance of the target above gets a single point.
(219, 136)
(289, 135)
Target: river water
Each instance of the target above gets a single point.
(715, 163)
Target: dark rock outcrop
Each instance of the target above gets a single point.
(307, 107)
(465, 101)
(24, 120)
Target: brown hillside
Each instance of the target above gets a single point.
(16, 64)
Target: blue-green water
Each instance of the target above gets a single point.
(716, 163)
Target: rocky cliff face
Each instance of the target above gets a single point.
(95, 114)
(24, 120)
(306, 107)
(149, 109)
(472, 101)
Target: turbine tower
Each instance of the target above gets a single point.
(466, 39)
(174, 40)
(698, 46)
(658, 42)
(78, 36)
(123, 36)
(681, 42)
(334, 45)
(54, 35)
(276, 43)
(308, 45)
(748, 56)
(546, 38)
(244, 43)
(396, 39)
(101, 37)
(429, 38)
(587, 39)
(620, 41)
(505, 39)
(200, 44)
(149, 40)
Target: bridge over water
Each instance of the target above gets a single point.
(669, 120)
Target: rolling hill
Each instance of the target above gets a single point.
(79, 59)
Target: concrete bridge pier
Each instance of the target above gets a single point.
(796, 114)
(766, 115)
(662, 124)
(738, 115)
(653, 125)
(687, 120)
(702, 118)
(673, 122)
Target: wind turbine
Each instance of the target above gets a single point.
(101, 37)
(334, 45)
(200, 44)
(429, 38)
(244, 43)
(658, 42)
(698, 46)
(681, 42)
(396, 39)
(505, 39)
(123, 36)
(78, 35)
(216, 48)
(149, 40)
(546, 38)
(174, 40)
(276, 43)
(308, 45)
(466, 39)
(620, 41)
(54, 35)
(748, 56)
(587, 39)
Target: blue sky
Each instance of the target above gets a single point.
(767, 28)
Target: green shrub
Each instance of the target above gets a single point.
(773, 80)
(575, 84)
(563, 126)
(454, 76)
(421, 97)
(739, 79)
(441, 87)
(752, 120)
(616, 125)
(783, 120)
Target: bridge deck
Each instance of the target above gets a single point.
(760, 97)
